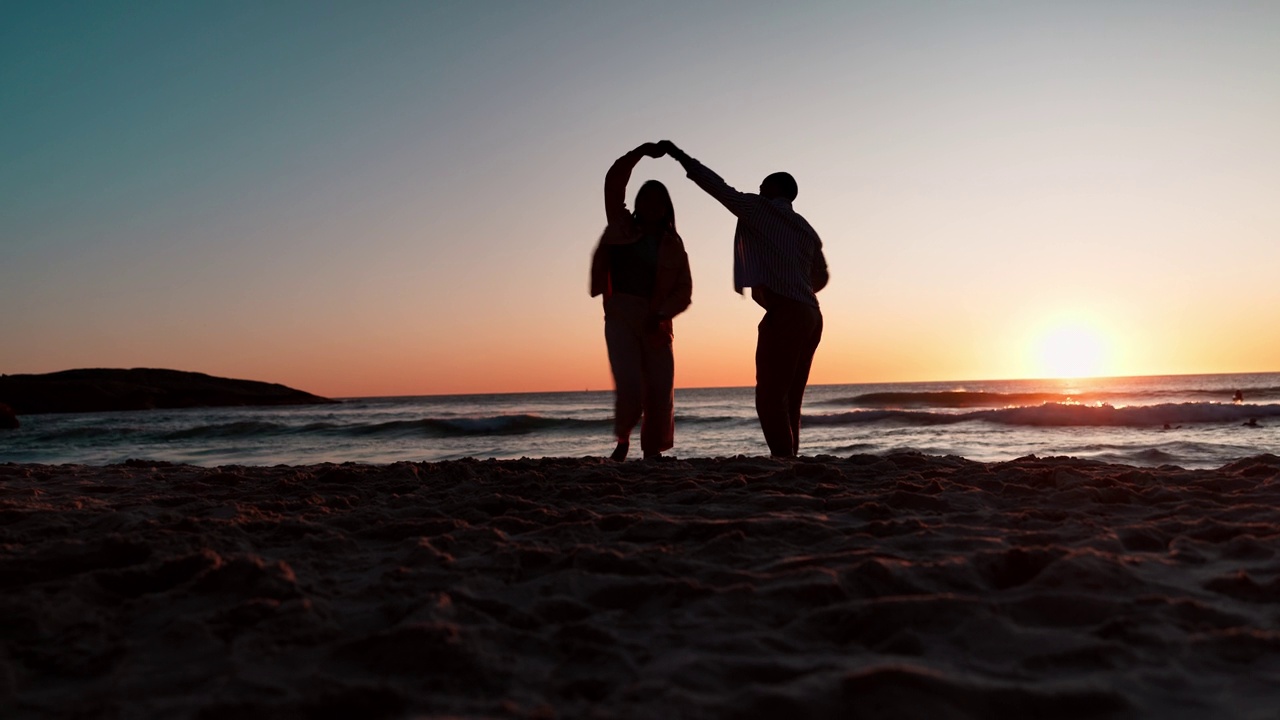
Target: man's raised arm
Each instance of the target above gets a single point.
(738, 203)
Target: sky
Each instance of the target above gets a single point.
(401, 198)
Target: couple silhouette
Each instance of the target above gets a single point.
(641, 269)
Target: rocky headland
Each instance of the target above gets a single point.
(100, 389)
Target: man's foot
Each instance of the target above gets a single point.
(620, 452)
(653, 456)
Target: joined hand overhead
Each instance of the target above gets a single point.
(653, 150)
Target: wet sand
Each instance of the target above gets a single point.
(870, 587)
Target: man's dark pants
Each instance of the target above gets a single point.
(789, 335)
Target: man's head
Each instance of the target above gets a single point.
(779, 185)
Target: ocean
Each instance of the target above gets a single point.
(1185, 420)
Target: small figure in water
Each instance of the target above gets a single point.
(1239, 398)
(1251, 422)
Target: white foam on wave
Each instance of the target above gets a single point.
(1065, 415)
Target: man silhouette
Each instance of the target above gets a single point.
(778, 255)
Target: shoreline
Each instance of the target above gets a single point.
(142, 463)
(880, 585)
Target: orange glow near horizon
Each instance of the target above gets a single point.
(995, 199)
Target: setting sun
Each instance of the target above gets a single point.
(1071, 351)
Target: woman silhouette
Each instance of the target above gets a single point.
(641, 268)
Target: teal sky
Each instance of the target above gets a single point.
(402, 197)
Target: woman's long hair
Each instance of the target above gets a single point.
(657, 188)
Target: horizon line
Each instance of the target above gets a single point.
(813, 385)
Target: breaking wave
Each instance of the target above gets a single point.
(247, 428)
(494, 425)
(1064, 415)
(958, 399)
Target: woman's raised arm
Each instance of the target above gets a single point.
(615, 182)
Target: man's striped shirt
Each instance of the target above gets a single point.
(773, 246)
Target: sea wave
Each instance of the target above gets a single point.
(1172, 453)
(518, 424)
(378, 429)
(515, 424)
(958, 399)
(1064, 415)
(430, 427)
(87, 433)
(951, 399)
(1247, 392)
(244, 428)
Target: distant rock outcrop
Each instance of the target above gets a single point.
(8, 419)
(99, 390)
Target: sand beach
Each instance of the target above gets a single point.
(891, 586)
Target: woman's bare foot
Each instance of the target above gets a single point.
(620, 452)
